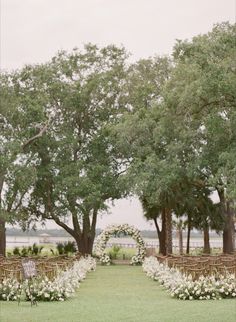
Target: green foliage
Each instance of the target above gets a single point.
(24, 251)
(60, 248)
(201, 94)
(70, 247)
(123, 253)
(16, 251)
(201, 97)
(181, 145)
(33, 250)
(69, 103)
(36, 250)
(66, 248)
(114, 252)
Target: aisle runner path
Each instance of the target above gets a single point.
(123, 293)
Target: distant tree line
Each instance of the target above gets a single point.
(17, 232)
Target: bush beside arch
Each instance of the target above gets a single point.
(102, 239)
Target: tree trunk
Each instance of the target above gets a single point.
(161, 234)
(188, 236)
(85, 239)
(228, 231)
(168, 234)
(233, 232)
(85, 244)
(162, 243)
(206, 247)
(2, 222)
(228, 246)
(162, 240)
(180, 236)
(2, 238)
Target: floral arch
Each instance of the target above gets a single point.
(102, 239)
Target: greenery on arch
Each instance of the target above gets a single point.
(102, 239)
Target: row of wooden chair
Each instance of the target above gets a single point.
(49, 267)
(201, 265)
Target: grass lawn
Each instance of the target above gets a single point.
(120, 293)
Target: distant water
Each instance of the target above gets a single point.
(153, 242)
(18, 241)
(13, 241)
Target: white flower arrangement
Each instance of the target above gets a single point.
(105, 259)
(102, 239)
(42, 289)
(10, 290)
(184, 288)
(137, 259)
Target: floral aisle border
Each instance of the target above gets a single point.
(42, 289)
(184, 288)
(102, 239)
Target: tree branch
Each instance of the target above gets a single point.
(157, 226)
(37, 136)
(10, 204)
(94, 220)
(1, 185)
(86, 223)
(76, 223)
(61, 224)
(20, 201)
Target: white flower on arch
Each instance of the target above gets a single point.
(102, 239)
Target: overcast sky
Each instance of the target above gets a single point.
(32, 31)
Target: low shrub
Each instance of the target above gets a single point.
(114, 252)
(27, 251)
(66, 247)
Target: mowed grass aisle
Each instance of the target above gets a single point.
(120, 293)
